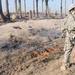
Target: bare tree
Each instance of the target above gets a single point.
(7, 10)
(47, 8)
(72, 1)
(34, 8)
(1, 12)
(19, 8)
(25, 6)
(42, 6)
(15, 2)
(46, 1)
(65, 7)
(61, 8)
(37, 8)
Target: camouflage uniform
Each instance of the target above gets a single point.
(68, 31)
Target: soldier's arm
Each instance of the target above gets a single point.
(64, 27)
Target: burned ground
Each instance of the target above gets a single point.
(32, 48)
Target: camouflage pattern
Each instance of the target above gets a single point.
(68, 32)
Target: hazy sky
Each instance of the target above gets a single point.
(53, 5)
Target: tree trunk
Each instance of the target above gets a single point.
(25, 6)
(46, 1)
(72, 1)
(7, 10)
(65, 7)
(19, 8)
(61, 8)
(42, 6)
(37, 8)
(15, 2)
(33, 8)
(1, 12)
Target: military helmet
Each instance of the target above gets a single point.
(72, 6)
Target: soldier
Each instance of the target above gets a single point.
(68, 32)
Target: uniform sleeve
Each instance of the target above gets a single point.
(64, 27)
(64, 24)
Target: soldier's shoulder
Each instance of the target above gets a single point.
(69, 15)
